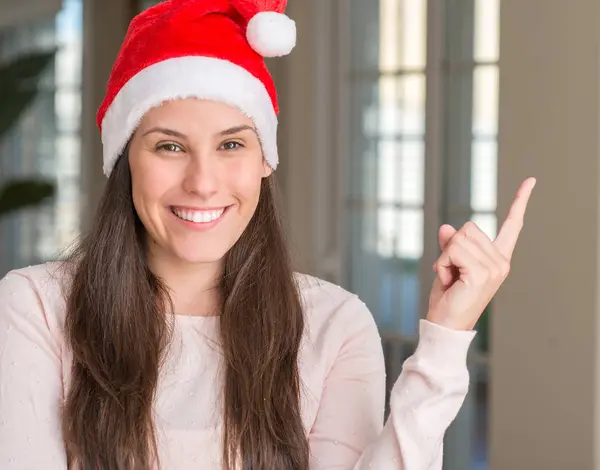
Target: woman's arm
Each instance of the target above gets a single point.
(347, 433)
(434, 382)
(31, 389)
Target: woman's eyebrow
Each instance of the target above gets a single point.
(174, 133)
(166, 131)
(236, 129)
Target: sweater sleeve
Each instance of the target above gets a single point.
(348, 433)
(31, 387)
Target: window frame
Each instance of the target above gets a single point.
(330, 171)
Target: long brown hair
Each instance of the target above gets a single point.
(119, 329)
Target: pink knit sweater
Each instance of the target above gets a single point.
(342, 371)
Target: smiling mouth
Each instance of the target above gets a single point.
(198, 217)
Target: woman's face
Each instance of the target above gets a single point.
(196, 169)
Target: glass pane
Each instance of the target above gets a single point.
(401, 247)
(409, 240)
(388, 35)
(487, 223)
(387, 178)
(402, 41)
(68, 109)
(398, 107)
(69, 23)
(400, 233)
(411, 99)
(387, 232)
(364, 35)
(484, 175)
(400, 172)
(485, 101)
(388, 284)
(487, 23)
(68, 151)
(387, 126)
(399, 293)
(365, 265)
(70, 42)
(68, 66)
(363, 122)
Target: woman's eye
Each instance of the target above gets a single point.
(170, 147)
(231, 145)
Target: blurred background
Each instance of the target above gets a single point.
(396, 116)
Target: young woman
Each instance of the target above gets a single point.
(176, 336)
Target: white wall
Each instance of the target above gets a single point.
(17, 12)
(105, 25)
(545, 327)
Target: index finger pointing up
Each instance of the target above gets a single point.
(511, 228)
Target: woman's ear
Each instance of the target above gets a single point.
(267, 169)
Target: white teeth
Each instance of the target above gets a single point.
(198, 216)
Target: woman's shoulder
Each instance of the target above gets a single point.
(41, 278)
(316, 289)
(332, 308)
(34, 290)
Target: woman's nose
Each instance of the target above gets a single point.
(201, 177)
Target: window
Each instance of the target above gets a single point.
(46, 143)
(422, 83)
(484, 149)
(386, 194)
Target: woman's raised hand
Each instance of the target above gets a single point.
(472, 267)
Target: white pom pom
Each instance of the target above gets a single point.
(271, 34)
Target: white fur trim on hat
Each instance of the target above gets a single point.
(187, 77)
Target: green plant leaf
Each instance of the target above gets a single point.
(19, 86)
(19, 194)
(12, 107)
(25, 70)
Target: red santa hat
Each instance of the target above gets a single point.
(207, 49)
